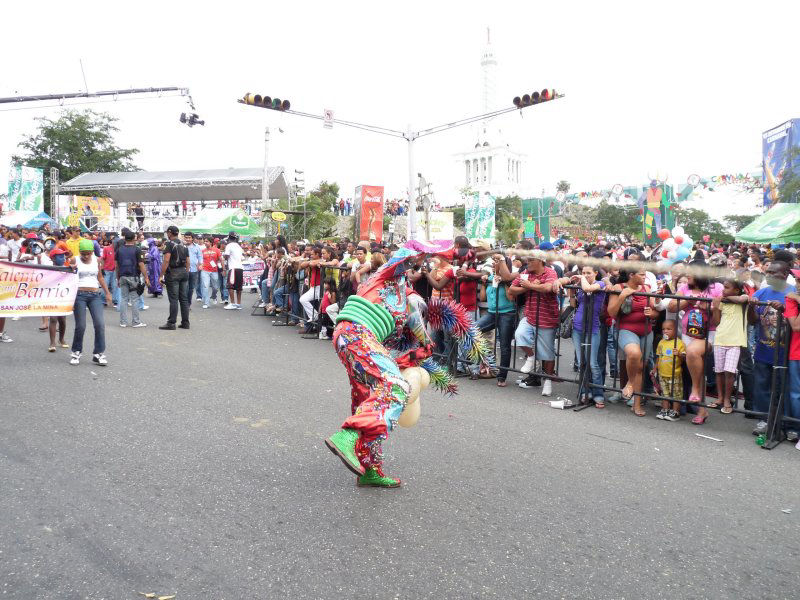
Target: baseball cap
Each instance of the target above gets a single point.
(32, 236)
(546, 246)
(85, 246)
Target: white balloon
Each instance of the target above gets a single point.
(676, 231)
(668, 244)
(672, 255)
(410, 416)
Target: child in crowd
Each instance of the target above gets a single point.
(731, 320)
(669, 367)
(328, 300)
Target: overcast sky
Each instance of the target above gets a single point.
(677, 88)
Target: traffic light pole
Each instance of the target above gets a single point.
(410, 136)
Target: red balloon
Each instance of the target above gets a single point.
(706, 238)
(665, 253)
(679, 239)
(664, 234)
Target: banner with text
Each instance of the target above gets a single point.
(369, 213)
(777, 146)
(251, 272)
(28, 291)
(479, 213)
(536, 213)
(26, 188)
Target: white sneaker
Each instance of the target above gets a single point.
(4, 338)
(205, 305)
(547, 388)
(262, 304)
(129, 303)
(199, 299)
(230, 307)
(530, 362)
(75, 358)
(123, 324)
(238, 307)
(100, 359)
(140, 325)
(215, 300)
(145, 307)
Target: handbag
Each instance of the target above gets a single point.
(140, 286)
(565, 323)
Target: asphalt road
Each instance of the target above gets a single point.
(194, 465)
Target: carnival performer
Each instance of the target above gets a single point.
(154, 259)
(378, 331)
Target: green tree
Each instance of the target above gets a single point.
(563, 186)
(509, 205)
(615, 219)
(738, 222)
(74, 143)
(320, 220)
(696, 223)
(508, 228)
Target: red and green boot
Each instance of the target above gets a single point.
(374, 477)
(343, 445)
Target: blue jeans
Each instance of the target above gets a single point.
(94, 302)
(762, 391)
(111, 282)
(505, 334)
(208, 280)
(223, 289)
(597, 375)
(194, 282)
(792, 404)
(127, 287)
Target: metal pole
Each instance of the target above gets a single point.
(265, 180)
(412, 204)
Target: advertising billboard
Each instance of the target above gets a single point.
(26, 188)
(776, 147)
(368, 206)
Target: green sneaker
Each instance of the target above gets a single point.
(375, 478)
(343, 445)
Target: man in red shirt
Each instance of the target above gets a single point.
(209, 271)
(792, 409)
(538, 329)
(110, 271)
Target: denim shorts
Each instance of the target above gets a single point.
(627, 338)
(545, 342)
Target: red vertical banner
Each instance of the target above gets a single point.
(370, 213)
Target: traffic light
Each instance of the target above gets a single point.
(266, 102)
(535, 98)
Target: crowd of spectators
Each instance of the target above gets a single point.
(695, 340)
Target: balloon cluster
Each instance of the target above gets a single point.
(675, 245)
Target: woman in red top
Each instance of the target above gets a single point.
(634, 314)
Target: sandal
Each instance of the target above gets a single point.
(599, 404)
(640, 413)
(713, 405)
(726, 410)
(627, 392)
(51, 349)
(698, 420)
(43, 328)
(694, 399)
(501, 384)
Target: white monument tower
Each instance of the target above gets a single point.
(491, 166)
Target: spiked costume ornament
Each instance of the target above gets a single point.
(379, 331)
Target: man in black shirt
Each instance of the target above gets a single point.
(175, 275)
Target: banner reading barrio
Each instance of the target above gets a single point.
(40, 291)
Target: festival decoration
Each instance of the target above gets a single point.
(663, 234)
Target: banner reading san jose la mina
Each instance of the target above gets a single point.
(36, 291)
(251, 272)
(479, 213)
(26, 188)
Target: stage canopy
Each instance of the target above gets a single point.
(223, 221)
(779, 225)
(175, 186)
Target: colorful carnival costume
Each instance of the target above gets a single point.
(379, 331)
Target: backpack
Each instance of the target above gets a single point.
(697, 323)
(178, 255)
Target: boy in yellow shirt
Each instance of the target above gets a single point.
(669, 367)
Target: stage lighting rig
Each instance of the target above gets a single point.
(191, 119)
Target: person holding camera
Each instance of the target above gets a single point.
(129, 263)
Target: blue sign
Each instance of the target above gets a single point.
(777, 144)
